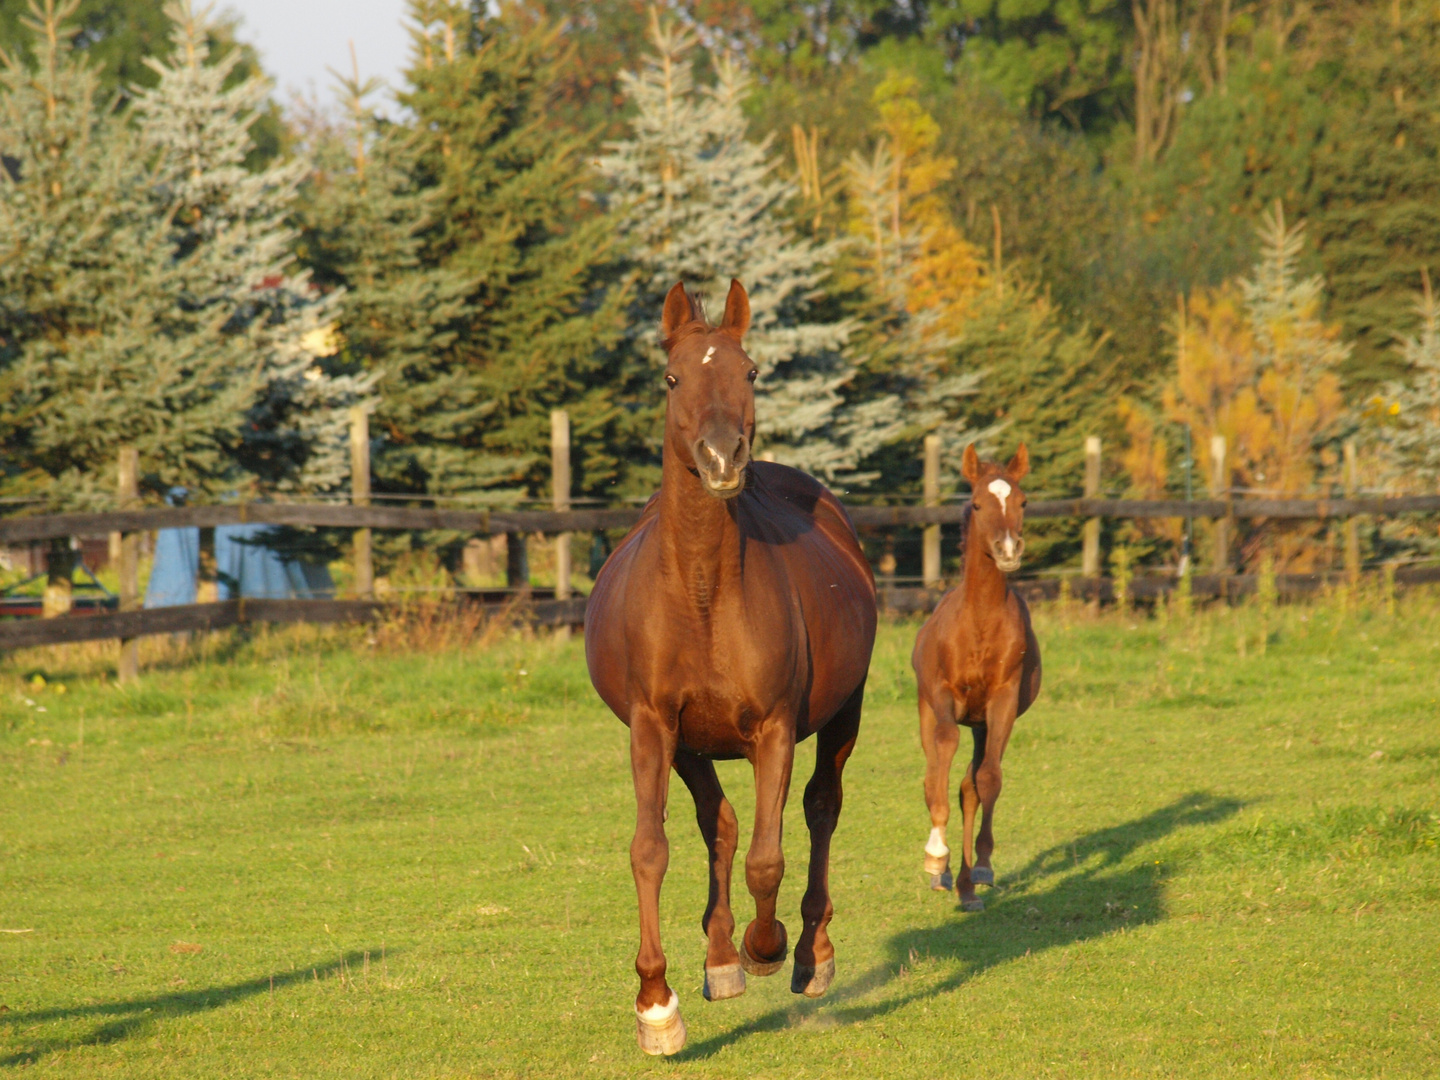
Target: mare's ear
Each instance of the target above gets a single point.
(678, 311)
(970, 465)
(1019, 464)
(737, 311)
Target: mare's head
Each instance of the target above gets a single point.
(997, 506)
(710, 413)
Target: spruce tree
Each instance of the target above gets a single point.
(91, 356)
(701, 203)
(1409, 408)
(231, 240)
(513, 305)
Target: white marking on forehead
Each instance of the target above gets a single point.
(709, 355)
(1001, 490)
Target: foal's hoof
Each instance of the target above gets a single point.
(982, 875)
(812, 981)
(659, 1029)
(764, 967)
(942, 882)
(725, 981)
(973, 904)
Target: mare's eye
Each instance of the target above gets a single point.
(974, 506)
(1024, 501)
(753, 373)
(671, 381)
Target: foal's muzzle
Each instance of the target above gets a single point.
(1006, 551)
(720, 461)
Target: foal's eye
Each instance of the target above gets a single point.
(671, 381)
(753, 373)
(974, 506)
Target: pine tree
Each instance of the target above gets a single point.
(700, 202)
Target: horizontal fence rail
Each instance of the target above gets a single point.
(183, 618)
(494, 522)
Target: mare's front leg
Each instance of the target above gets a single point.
(1000, 714)
(939, 736)
(814, 954)
(724, 978)
(764, 946)
(659, 1028)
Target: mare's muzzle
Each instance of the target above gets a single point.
(720, 460)
(1006, 550)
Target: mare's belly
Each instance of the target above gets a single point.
(717, 722)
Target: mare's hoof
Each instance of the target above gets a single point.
(975, 904)
(982, 875)
(942, 882)
(659, 1029)
(764, 967)
(812, 981)
(725, 981)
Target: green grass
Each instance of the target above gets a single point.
(1212, 862)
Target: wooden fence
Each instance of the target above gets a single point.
(131, 520)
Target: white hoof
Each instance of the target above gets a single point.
(659, 1029)
(937, 864)
(725, 981)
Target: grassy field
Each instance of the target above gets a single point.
(303, 854)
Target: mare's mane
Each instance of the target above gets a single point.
(700, 324)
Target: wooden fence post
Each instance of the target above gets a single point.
(1352, 523)
(1220, 489)
(59, 595)
(128, 488)
(930, 548)
(360, 496)
(560, 498)
(1090, 550)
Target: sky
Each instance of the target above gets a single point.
(299, 39)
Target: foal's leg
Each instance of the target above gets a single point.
(763, 948)
(724, 977)
(814, 953)
(1000, 720)
(657, 1008)
(939, 736)
(969, 804)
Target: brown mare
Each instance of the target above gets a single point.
(735, 620)
(977, 663)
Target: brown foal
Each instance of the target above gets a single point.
(735, 620)
(977, 663)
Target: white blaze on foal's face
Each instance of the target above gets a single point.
(1001, 490)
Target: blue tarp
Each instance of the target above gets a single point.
(246, 568)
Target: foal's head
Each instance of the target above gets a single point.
(997, 506)
(710, 414)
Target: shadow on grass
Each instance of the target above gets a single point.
(1073, 892)
(125, 1019)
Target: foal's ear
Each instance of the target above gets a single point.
(679, 310)
(1019, 464)
(970, 465)
(737, 311)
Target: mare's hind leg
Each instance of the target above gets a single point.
(939, 736)
(724, 978)
(814, 954)
(764, 946)
(1000, 721)
(969, 803)
(659, 1028)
